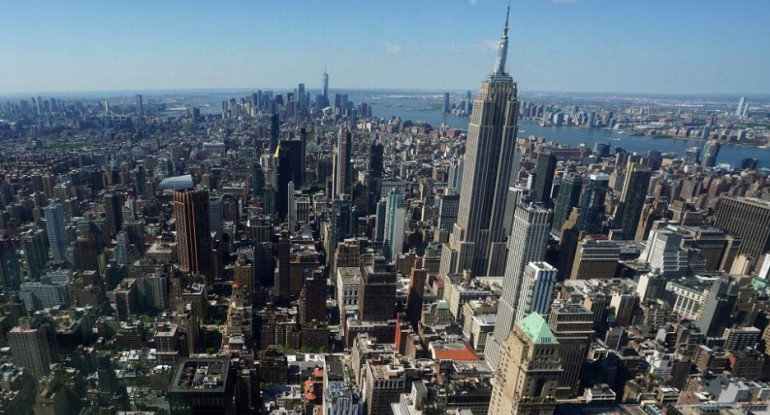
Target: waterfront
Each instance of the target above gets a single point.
(425, 107)
(417, 108)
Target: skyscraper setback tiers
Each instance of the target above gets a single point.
(477, 242)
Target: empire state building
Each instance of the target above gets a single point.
(477, 242)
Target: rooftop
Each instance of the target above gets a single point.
(387, 371)
(458, 350)
(536, 328)
(201, 375)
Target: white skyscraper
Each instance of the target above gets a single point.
(536, 289)
(664, 253)
(528, 243)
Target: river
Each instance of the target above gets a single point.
(407, 109)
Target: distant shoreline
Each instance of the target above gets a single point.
(655, 137)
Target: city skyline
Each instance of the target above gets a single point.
(100, 47)
(311, 251)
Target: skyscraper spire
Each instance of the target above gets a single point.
(477, 242)
(502, 53)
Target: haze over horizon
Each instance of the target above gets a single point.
(591, 46)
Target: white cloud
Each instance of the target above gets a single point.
(490, 45)
(391, 48)
(454, 48)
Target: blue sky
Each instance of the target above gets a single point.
(653, 46)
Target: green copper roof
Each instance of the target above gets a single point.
(537, 329)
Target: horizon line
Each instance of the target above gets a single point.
(152, 91)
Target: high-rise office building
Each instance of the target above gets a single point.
(122, 249)
(592, 206)
(283, 285)
(469, 100)
(283, 174)
(193, 238)
(573, 326)
(341, 103)
(301, 177)
(546, 167)
(710, 152)
(379, 225)
(325, 88)
(301, 97)
(448, 209)
(312, 299)
(113, 213)
(202, 386)
(529, 371)
(377, 291)
(715, 314)
(529, 240)
(692, 156)
(748, 218)
(29, 348)
(739, 110)
(288, 161)
(139, 113)
(275, 131)
(455, 181)
(663, 253)
(375, 174)
(395, 217)
(416, 295)
(33, 243)
(303, 262)
(568, 242)
(477, 242)
(54, 224)
(216, 213)
(447, 109)
(537, 285)
(10, 271)
(343, 169)
(595, 258)
(569, 196)
(343, 213)
(632, 198)
(291, 204)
